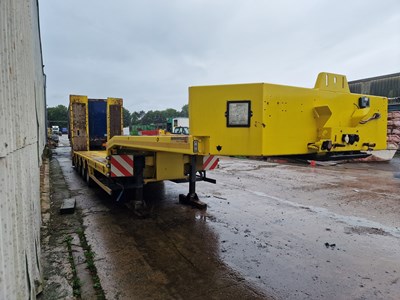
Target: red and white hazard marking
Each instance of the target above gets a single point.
(121, 165)
(210, 162)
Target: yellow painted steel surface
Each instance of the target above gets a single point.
(160, 166)
(168, 143)
(95, 159)
(285, 120)
(169, 166)
(166, 154)
(98, 156)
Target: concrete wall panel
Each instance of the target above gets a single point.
(22, 141)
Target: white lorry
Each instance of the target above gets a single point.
(55, 129)
(178, 125)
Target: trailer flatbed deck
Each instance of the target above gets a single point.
(96, 159)
(182, 144)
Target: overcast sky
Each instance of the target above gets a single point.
(149, 52)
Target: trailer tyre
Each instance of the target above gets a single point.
(83, 170)
(89, 181)
(79, 168)
(75, 164)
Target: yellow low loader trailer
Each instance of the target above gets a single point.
(326, 122)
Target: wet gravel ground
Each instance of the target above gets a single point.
(283, 231)
(310, 233)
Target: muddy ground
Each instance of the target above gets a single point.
(271, 231)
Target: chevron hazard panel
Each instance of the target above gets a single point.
(121, 165)
(210, 162)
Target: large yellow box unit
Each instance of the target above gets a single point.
(264, 119)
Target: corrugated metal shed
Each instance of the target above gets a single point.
(22, 140)
(387, 86)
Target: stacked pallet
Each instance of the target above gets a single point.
(393, 129)
(393, 141)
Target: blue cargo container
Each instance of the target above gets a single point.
(97, 123)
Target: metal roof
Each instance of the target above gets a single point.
(385, 85)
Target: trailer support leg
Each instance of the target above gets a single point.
(138, 201)
(192, 198)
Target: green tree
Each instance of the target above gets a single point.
(136, 117)
(153, 117)
(57, 116)
(157, 117)
(127, 117)
(170, 113)
(185, 111)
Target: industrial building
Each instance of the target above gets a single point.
(22, 141)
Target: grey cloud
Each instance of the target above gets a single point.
(149, 52)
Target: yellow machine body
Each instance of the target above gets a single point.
(264, 119)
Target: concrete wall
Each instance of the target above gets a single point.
(22, 140)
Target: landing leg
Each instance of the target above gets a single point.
(138, 202)
(192, 198)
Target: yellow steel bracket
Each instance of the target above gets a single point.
(114, 101)
(322, 115)
(332, 82)
(78, 99)
(358, 115)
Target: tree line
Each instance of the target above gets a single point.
(154, 117)
(58, 115)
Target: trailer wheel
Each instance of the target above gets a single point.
(79, 168)
(75, 164)
(83, 170)
(89, 181)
